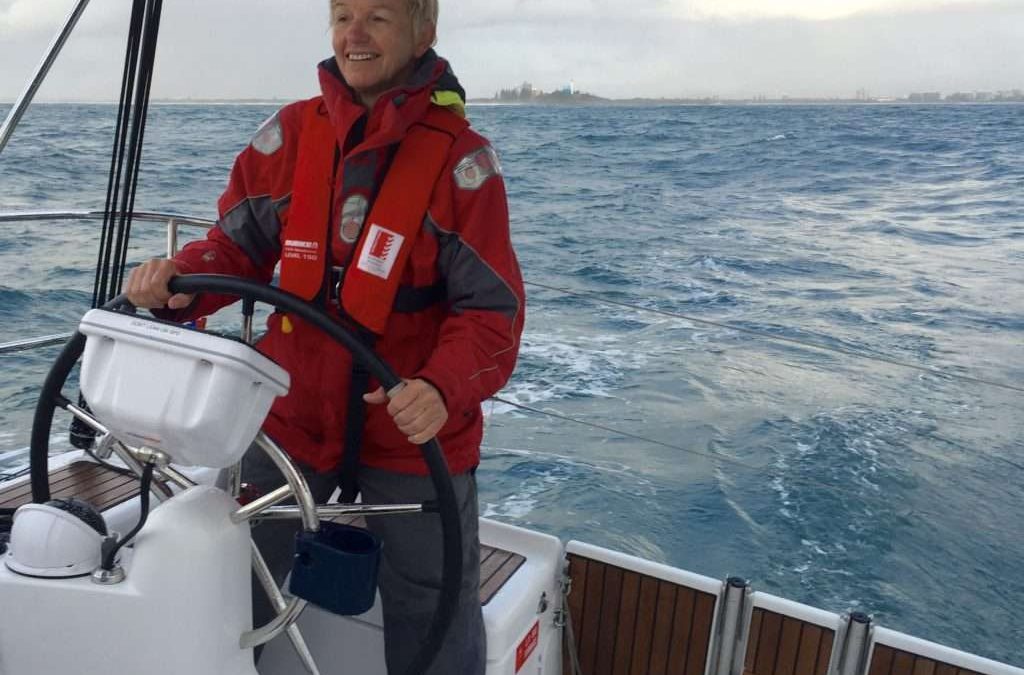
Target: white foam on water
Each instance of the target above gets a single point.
(709, 263)
(745, 517)
(520, 504)
(560, 366)
(548, 475)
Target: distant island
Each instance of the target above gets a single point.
(526, 94)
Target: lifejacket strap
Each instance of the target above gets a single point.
(348, 478)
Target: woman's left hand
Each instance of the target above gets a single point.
(418, 409)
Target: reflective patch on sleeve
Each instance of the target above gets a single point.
(269, 137)
(474, 169)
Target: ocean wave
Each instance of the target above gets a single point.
(885, 231)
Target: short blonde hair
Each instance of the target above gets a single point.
(421, 11)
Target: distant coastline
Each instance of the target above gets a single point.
(527, 94)
(670, 102)
(561, 98)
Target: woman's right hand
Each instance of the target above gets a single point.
(147, 286)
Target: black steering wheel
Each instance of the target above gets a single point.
(50, 398)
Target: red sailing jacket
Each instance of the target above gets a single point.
(465, 345)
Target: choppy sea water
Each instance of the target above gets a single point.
(839, 481)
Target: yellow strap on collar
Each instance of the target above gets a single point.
(450, 100)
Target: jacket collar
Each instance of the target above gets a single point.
(395, 110)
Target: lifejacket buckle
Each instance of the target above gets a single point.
(337, 276)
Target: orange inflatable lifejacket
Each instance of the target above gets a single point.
(371, 282)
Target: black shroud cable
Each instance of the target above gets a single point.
(125, 160)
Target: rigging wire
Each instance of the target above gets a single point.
(126, 154)
(626, 434)
(142, 95)
(125, 161)
(781, 338)
(714, 457)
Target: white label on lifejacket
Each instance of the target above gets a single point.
(380, 251)
(300, 249)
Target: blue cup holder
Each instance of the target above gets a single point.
(336, 568)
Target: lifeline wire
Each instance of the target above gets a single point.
(625, 434)
(781, 338)
(726, 459)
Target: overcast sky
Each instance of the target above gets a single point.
(653, 48)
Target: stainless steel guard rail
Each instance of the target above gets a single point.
(173, 223)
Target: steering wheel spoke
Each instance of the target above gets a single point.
(331, 511)
(254, 509)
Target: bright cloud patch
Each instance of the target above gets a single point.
(31, 15)
(503, 11)
(805, 9)
(21, 18)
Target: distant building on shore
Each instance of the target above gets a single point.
(523, 93)
(527, 93)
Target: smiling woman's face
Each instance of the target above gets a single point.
(375, 44)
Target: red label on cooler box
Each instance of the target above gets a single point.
(528, 644)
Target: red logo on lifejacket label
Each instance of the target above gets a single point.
(382, 242)
(527, 645)
(380, 251)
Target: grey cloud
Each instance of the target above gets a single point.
(241, 49)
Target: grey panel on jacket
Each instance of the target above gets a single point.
(360, 175)
(471, 283)
(255, 226)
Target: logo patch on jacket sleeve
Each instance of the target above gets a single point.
(268, 138)
(474, 169)
(380, 250)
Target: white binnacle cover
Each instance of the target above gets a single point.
(49, 542)
(198, 397)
